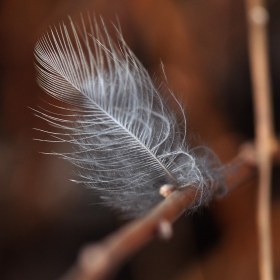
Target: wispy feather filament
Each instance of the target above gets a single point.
(126, 140)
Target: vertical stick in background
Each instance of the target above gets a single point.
(265, 138)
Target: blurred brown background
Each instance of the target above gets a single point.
(45, 219)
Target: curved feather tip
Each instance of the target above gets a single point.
(126, 141)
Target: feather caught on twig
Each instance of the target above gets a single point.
(126, 140)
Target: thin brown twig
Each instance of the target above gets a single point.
(265, 138)
(98, 261)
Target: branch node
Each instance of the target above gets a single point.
(93, 260)
(166, 190)
(165, 230)
(259, 15)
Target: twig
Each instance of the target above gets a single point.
(265, 138)
(98, 261)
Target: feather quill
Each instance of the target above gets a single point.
(126, 140)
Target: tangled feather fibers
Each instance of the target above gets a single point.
(125, 140)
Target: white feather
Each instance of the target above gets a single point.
(126, 140)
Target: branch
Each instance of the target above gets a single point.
(265, 138)
(98, 261)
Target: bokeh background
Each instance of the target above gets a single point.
(45, 219)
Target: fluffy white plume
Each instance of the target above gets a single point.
(126, 140)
